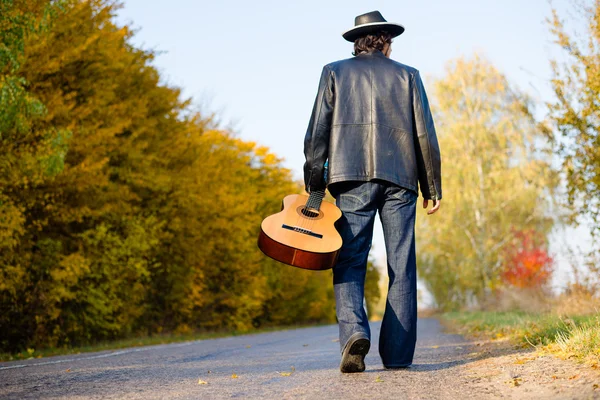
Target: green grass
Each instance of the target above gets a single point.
(572, 337)
(582, 343)
(135, 342)
(538, 329)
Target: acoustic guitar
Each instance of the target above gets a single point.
(303, 233)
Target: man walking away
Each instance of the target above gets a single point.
(371, 121)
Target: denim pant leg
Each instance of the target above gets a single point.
(358, 204)
(398, 334)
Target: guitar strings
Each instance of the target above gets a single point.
(317, 200)
(313, 205)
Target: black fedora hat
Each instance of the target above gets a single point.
(371, 22)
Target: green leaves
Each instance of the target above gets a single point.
(573, 114)
(54, 162)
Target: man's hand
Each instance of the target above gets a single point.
(436, 206)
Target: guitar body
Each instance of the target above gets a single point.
(300, 236)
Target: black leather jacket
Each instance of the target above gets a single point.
(371, 119)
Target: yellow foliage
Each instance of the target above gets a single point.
(499, 180)
(129, 213)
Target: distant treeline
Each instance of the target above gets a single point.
(122, 211)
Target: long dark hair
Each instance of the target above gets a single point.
(368, 43)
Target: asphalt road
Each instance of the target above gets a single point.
(301, 363)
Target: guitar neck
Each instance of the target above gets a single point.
(316, 196)
(315, 199)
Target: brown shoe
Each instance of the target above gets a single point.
(353, 356)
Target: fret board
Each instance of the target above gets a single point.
(315, 199)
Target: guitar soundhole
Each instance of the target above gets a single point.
(309, 213)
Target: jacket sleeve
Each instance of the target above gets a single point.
(316, 141)
(427, 147)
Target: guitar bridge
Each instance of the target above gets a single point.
(302, 230)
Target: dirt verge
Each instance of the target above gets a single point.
(502, 368)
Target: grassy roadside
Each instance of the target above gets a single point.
(137, 342)
(575, 337)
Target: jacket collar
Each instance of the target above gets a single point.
(376, 53)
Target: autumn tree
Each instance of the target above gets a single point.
(498, 180)
(574, 122)
(124, 211)
(32, 153)
(575, 111)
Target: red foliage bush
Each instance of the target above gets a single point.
(528, 264)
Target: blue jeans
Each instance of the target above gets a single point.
(359, 202)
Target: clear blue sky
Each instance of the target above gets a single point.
(257, 63)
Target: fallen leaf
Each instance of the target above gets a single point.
(248, 346)
(435, 347)
(596, 386)
(201, 382)
(68, 370)
(287, 373)
(234, 376)
(515, 381)
(523, 360)
(378, 379)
